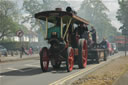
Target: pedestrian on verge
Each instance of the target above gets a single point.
(22, 50)
(30, 51)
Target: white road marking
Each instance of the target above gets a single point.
(28, 70)
(35, 63)
(71, 76)
(30, 65)
(1, 76)
(14, 69)
(62, 80)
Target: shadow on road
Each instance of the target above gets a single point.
(23, 72)
(59, 70)
(35, 71)
(62, 69)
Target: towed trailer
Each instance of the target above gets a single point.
(97, 53)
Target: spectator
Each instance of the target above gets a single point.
(30, 51)
(22, 50)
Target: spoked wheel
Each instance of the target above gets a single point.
(70, 59)
(44, 59)
(83, 53)
(105, 56)
(97, 57)
(55, 64)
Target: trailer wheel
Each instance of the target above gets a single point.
(97, 57)
(44, 59)
(70, 59)
(55, 64)
(83, 53)
(105, 56)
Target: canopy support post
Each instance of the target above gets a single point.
(61, 27)
(46, 27)
(68, 24)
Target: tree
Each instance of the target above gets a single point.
(8, 13)
(34, 6)
(96, 13)
(122, 13)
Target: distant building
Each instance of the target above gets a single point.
(120, 41)
(29, 36)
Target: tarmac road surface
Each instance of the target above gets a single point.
(28, 72)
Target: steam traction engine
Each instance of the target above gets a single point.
(64, 45)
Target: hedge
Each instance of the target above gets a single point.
(10, 45)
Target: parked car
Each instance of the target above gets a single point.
(105, 44)
(3, 51)
(114, 47)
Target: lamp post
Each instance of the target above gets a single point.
(125, 47)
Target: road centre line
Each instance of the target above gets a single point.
(14, 69)
(35, 63)
(61, 81)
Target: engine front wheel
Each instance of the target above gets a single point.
(44, 59)
(70, 59)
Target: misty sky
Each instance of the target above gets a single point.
(112, 5)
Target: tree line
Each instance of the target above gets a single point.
(122, 14)
(12, 19)
(96, 12)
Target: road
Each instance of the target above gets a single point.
(28, 72)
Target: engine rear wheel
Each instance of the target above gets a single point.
(44, 59)
(70, 59)
(83, 53)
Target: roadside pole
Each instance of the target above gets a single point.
(21, 53)
(20, 33)
(125, 46)
(125, 33)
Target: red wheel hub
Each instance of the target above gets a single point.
(84, 54)
(71, 60)
(45, 59)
